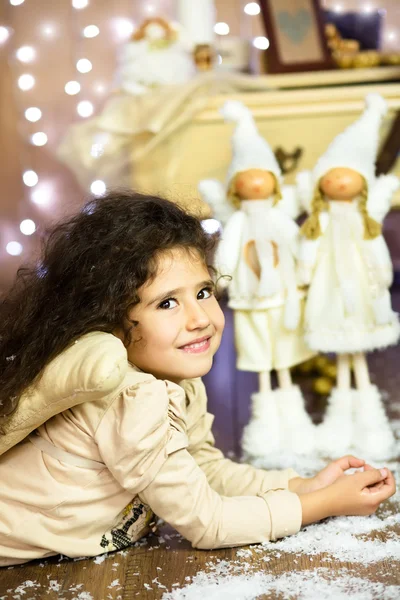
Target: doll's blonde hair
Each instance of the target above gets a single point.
(311, 228)
(234, 197)
(140, 33)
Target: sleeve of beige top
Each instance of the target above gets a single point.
(225, 476)
(181, 495)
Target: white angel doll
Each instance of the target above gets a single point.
(344, 259)
(157, 55)
(257, 251)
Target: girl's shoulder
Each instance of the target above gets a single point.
(89, 369)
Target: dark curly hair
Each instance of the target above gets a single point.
(87, 280)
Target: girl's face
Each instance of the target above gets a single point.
(342, 183)
(254, 184)
(180, 322)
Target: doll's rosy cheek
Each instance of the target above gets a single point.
(240, 184)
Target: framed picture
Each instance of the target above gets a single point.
(295, 30)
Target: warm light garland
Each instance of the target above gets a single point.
(41, 191)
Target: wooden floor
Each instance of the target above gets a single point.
(165, 562)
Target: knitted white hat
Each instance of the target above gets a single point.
(249, 149)
(356, 147)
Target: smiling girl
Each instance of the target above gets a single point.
(104, 416)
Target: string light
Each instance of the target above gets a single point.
(48, 30)
(79, 4)
(26, 54)
(33, 114)
(30, 178)
(252, 8)
(16, 2)
(123, 28)
(72, 88)
(91, 31)
(14, 248)
(26, 82)
(84, 65)
(100, 88)
(221, 28)
(150, 9)
(4, 34)
(27, 227)
(85, 108)
(211, 225)
(261, 42)
(337, 8)
(39, 139)
(98, 187)
(367, 8)
(41, 195)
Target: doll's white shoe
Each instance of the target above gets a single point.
(334, 435)
(298, 430)
(261, 436)
(373, 436)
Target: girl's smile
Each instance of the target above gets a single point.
(197, 346)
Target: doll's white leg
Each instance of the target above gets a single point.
(284, 378)
(335, 433)
(343, 371)
(373, 436)
(361, 371)
(262, 436)
(264, 381)
(298, 430)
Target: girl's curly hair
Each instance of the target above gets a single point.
(88, 278)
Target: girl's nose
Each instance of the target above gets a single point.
(197, 317)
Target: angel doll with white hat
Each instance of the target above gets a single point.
(158, 54)
(257, 252)
(346, 263)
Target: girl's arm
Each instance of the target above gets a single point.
(181, 495)
(142, 440)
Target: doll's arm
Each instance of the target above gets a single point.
(229, 247)
(380, 196)
(304, 190)
(290, 202)
(307, 257)
(378, 261)
(213, 192)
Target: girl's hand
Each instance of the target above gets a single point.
(327, 476)
(357, 494)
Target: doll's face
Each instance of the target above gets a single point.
(255, 184)
(342, 184)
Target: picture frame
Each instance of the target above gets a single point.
(295, 30)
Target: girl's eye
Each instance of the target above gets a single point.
(205, 293)
(168, 303)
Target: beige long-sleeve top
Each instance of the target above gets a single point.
(155, 440)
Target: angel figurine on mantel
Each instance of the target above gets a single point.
(345, 261)
(258, 251)
(158, 54)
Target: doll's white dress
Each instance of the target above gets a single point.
(348, 307)
(267, 309)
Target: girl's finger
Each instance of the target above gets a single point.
(350, 462)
